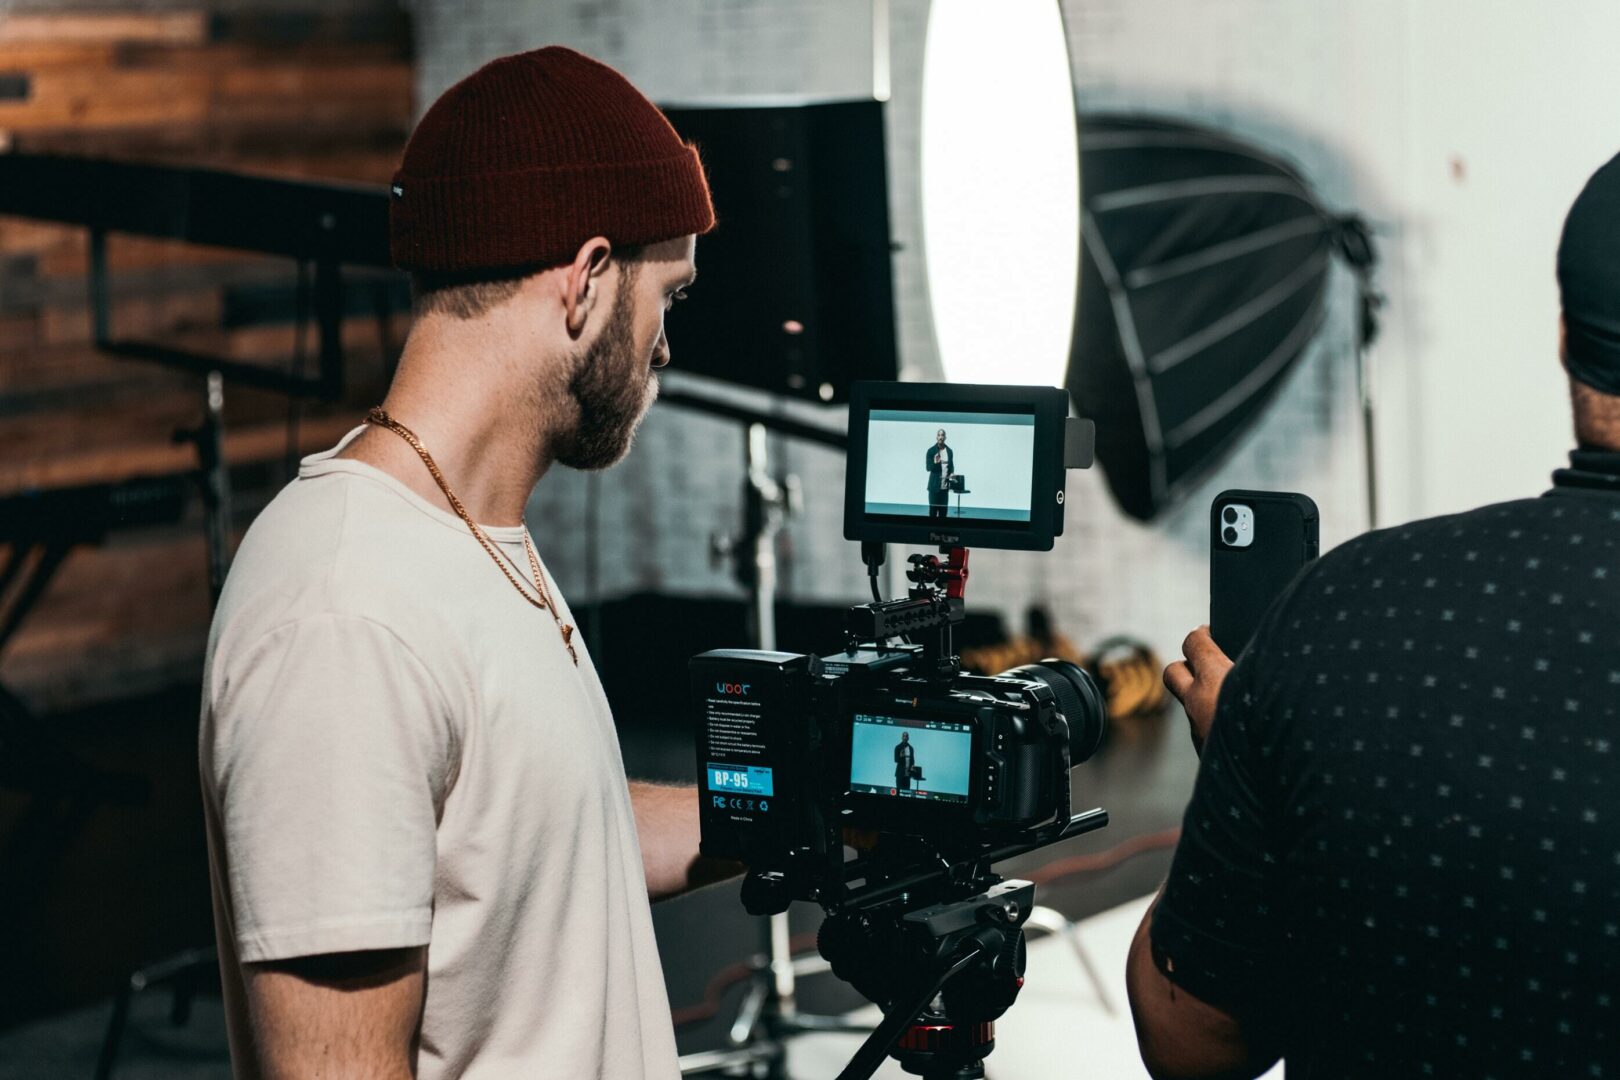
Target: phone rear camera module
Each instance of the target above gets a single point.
(1238, 528)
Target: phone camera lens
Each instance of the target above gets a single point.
(1229, 515)
(1229, 534)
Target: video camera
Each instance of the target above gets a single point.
(880, 781)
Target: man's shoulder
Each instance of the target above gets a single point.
(321, 549)
(1433, 537)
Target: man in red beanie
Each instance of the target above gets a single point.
(426, 858)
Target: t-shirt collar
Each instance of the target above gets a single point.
(327, 462)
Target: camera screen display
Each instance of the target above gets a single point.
(913, 759)
(974, 467)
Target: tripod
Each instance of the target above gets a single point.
(970, 955)
(967, 956)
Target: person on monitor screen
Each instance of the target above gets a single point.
(940, 462)
(904, 758)
(426, 858)
(1400, 856)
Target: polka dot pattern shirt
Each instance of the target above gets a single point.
(1402, 855)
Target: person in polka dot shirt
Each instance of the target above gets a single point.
(1401, 857)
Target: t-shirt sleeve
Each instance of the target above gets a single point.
(1213, 933)
(329, 752)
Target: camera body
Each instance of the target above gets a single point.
(796, 749)
(886, 747)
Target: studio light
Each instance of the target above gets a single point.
(1000, 190)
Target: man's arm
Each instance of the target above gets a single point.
(667, 824)
(344, 1016)
(1181, 1037)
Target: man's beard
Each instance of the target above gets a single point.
(612, 389)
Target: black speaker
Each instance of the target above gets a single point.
(794, 293)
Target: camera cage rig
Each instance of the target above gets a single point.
(955, 924)
(925, 927)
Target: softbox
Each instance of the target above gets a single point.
(1203, 274)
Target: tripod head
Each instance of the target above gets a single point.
(943, 974)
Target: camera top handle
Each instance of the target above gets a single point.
(935, 603)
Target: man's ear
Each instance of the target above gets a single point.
(1563, 340)
(582, 282)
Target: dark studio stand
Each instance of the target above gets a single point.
(958, 484)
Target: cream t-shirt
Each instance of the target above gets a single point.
(397, 751)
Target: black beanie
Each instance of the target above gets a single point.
(1589, 281)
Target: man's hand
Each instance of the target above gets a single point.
(337, 1016)
(1196, 681)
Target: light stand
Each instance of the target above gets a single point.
(768, 1014)
(1355, 243)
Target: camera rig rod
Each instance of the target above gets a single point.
(973, 871)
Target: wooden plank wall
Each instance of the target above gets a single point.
(306, 95)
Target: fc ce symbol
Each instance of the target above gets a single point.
(733, 802)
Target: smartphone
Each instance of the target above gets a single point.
(1258, 542)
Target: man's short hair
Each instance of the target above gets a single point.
(471, 295)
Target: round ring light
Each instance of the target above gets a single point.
(1000, 190)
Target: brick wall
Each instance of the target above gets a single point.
(1362, 97)
(295, 93)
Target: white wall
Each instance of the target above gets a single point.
(1463, 128)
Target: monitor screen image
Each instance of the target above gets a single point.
(912, 759)
(955, 466)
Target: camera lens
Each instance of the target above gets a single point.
(1229, 534)
(1229, 515)
(1078, 699)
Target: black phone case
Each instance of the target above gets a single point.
(1243, 582)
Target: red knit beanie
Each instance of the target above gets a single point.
(531, 155)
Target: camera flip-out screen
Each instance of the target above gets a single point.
(955, 464)
(914, 759)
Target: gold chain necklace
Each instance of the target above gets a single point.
(381, 419)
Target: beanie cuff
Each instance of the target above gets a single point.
(1592, 353)
(540, 217)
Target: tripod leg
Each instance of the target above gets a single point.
(1091, 971)
(900, 1017)
(115, 1031)
(1050, 921)
(744, 1027)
